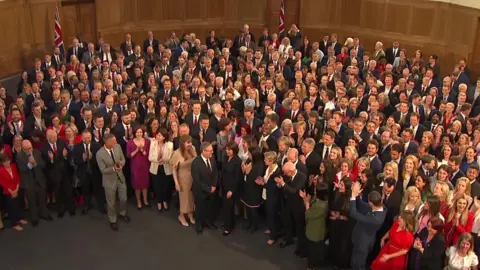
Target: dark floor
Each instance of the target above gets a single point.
(150, 241)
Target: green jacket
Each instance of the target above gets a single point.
(315, 218)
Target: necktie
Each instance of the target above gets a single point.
(195, 122)
(327, 152)
(123, 108)
(204, 133)
(75, 51)
(99, 135)
(113, 157)
(17, 128)
(54, 149)
(433, 128)
(293, 115)
(128, 132)
(208, 165)
(87, 154)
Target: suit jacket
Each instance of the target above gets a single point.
(55, 169)
(189, 120)
(166, 155)
(82, 165)
(107, 166)
(203, 178)
(390, 56)
(79, 53)
(392, 207)
(291, 188)
(146, 44)
(457, 176)
(376, 165)
(31, 178)
(313, 163)
(123, 47)
(411, 149)
(367, 224)
(87, 57)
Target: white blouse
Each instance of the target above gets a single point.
(456, 262)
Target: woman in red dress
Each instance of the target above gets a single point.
(400, 238)
(10, 184)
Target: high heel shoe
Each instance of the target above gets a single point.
(183, 222)
(139, 207)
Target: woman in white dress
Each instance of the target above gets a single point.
(461, 256)
(161, 151)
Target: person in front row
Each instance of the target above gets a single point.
(10, 183)
(110, 162)
(30, 165)
(204, 187)
(294, 208)
(369, 218)
(316, 210)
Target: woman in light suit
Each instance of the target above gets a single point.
(161, 151)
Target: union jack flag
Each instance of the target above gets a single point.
(281, 26)
(59, 34)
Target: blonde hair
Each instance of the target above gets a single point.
(445, 190)
(415, 166)
(353, 150)
(394, 168)
(271, 156)
(406, 197)
(453, 211)
(468, 190)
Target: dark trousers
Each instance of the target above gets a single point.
(359, 255)
(228, 212)
(294, 217)
(127, 173)
(271, 211)
(13, 209)
(315, 253)
(161, 186)
(36, 197)
(63, 193)
(92, 187)
(252, 217)
(203, 209)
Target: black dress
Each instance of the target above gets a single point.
(340, 243)
(433, 254)
(252, 192)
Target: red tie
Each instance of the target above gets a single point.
(54, 149)
(293, 115)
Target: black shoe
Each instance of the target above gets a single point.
(211, 226)
(35, 223)
(199, 231)
(114, 226)
(61, 214)
(125, 218)
(85, 211)
(285, 244)
(72, 213)
(139, 208)
(47, 218)
(226, 233)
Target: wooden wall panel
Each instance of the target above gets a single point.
(448, 30)
(216, 9)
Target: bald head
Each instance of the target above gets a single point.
(51, 135)
(26, 146)
(289, 169)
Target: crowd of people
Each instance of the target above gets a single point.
(361, 157)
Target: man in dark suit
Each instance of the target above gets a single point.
(386, 142)
(392, 52)
(410, 147)
(84, 157)
(128, 41)
(293, 113)
(324, 148)
(417, 128)
(263, 37)
(391, 199)
(310, 158)
(375, 163)
(204, 187)
(472, 174)
(55, 153)
(267, 142)
(250, 119)
(75, 50)
(205, 132)
(98, 129)
(369, 218)
(32, 180)
(150, 41)
(454, 163)
(193, 119)
(465, 111)
(294, 213)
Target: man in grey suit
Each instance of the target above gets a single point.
(111, 160)
(30, 166)
(87, 56)
(369, 218)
